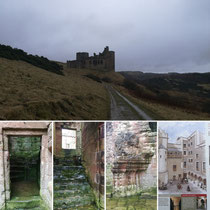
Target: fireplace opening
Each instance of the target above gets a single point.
(24, 165)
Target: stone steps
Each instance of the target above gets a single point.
(72, 193)
(74, 202)
(33, 202)
(71, 188)
(61, 167)
(67, 162)
(64, 180)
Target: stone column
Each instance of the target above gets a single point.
(2, 188)
(6, 167)
(46, 169)
(176, 201)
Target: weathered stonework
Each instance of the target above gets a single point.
(25, 129)
(104, 61)
(79, 172)
(131, 158)
(93, 157)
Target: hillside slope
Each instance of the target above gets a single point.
(28, 92)
(188, 93)
(31, 93)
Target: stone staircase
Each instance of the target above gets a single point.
(21, 169)
(32, 202)
(71, 188)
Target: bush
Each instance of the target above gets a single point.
(41, 62)
(129, 84)
(93, 77)
(106, 79)
(206, 107)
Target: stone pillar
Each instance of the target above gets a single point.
(6, 167)
(126, 176)
(46, 171)
(176, 201)
(2, 187)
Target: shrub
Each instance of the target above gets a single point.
(129, 84)
(41, 62)
(93, 77)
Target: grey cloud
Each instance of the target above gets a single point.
(147, 35)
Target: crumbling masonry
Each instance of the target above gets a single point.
(131, 157)
(104, 61)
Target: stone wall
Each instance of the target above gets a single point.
(58, 151)
(131, 157)
(24, 158)
(93, 157)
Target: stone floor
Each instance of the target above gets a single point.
(131, 203)
(172, 189)
(25, 195)
(25, 188)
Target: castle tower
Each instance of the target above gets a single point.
(81, 56)
(109, 59)
(162, 164)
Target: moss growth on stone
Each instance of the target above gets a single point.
(23, 202)
(24, 147)
(131, 203)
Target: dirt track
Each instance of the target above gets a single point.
(123, 109)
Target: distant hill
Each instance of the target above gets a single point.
(39, 61)
(188, 90)
(171, 81)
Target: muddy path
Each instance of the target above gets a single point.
(124, 109)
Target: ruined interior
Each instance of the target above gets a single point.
(131, 171)
(25, 165)
(79, 165)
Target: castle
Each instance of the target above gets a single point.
(103, 61)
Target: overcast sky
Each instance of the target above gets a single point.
(146, 35)
(178, 129)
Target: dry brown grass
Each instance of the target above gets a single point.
(28, 92)
(162, 112)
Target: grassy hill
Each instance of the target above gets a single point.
(29, 92)
(189, 93)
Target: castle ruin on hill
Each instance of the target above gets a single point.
(103, 61)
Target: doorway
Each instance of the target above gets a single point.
(24, 157)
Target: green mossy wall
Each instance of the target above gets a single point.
(24, 147)
(24, 158)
